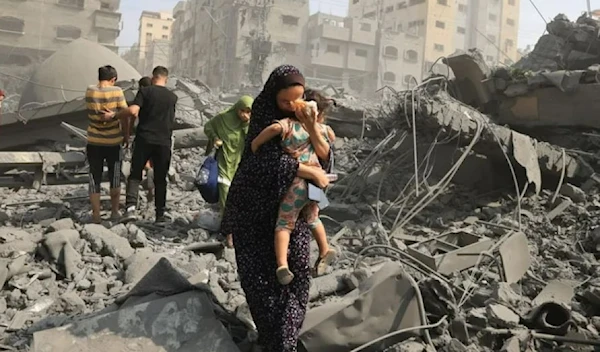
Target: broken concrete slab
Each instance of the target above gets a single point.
(458, 250)
(552, 108)
(384, 302)
(61, 248)
(456, 118)
(555, 291)
(470, 70)
(14, 240)
(105, 242)
(516, 260)
(502, 316)
(181, 323)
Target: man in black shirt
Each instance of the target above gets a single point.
(155, 107)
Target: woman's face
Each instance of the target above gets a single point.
(244, 114)
(287, 96)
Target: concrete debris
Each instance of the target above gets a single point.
(496, 219)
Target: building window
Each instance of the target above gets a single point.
(365, 27)
(411, 55)
(415, 2)
(462, 8)
(461, 30)
(12, 24)
(408, 79)
(166, 28)
(289, 48)
(149, 25)
(390, 51)
(510, 43)
(165, 36)
(440, 24)
(361, 53)
(68, 32)
(510, 22)
(371, 14)
(104, 5)
(148, 36)
(443, 2)
(438, 47)
(355, 2)
(489, 58)
(418, 23)
(389, 9)
(290, 20)
(492, 17)
(512, 2)
(389, 77)
(332, 49)
(401, 5)
(72, 3)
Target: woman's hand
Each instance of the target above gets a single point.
(315, 174)
(321, 180)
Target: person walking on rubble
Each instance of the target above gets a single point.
(148, 169)
(104, 138)
(155, 107)
(228, 129)
(256, 191)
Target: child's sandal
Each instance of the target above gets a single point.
(323, 262)
(284, 275)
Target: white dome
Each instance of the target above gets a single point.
(73, 68)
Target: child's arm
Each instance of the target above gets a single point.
(266, 135)
(319, 142)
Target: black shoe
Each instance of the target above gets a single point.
(129, 216)
(164, 219)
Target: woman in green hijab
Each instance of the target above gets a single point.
(228, 129)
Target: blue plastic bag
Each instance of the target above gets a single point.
(207, 179)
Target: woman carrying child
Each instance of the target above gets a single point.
(307, 149)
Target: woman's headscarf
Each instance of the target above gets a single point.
(264, 109)
(229, 120)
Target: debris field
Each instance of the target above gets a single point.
(465, 217)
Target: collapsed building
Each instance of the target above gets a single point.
(467, 207)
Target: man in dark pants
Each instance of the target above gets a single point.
(155, 107)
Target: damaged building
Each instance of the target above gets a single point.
(467, 206)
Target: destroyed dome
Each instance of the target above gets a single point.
(73, 68)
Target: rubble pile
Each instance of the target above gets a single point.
(453, 211)
(567, 46)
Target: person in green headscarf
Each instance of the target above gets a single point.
(228, 131)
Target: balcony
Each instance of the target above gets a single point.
(107, 20)
(333, 32)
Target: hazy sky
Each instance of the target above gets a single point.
(531, 25)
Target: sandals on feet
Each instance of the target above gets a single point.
(323, 262)
(284, 275)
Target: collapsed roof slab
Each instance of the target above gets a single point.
(553, 108)
(443, 111)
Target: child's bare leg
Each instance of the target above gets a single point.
(326, 254)
(282, 243)
(321, 238)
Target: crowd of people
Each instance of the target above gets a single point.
(273, 153)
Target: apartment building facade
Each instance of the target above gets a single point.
(449, 25)
(219, 42)
(153, 26)
(31, 31)
(360, 56)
